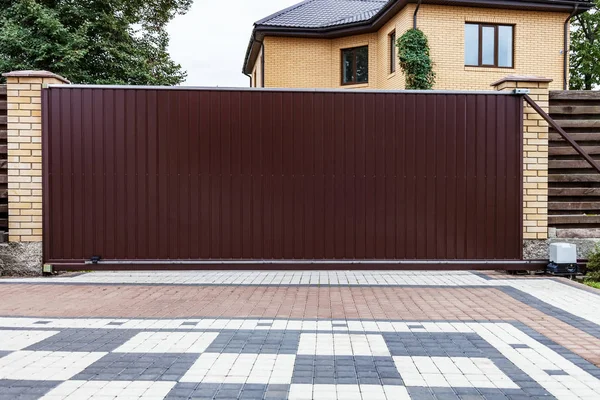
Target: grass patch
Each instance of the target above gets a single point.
(592, 284)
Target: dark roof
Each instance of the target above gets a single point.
(337, 18)
(324, 13)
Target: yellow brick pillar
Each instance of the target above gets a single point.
(535, 154)
(24, 90)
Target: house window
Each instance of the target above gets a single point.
(489, 45)
(355, 65)
(392, 37)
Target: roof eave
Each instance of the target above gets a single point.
(390, 9)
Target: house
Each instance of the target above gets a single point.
(351, 43)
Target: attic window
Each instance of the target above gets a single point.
(355, 65)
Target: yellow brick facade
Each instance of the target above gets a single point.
(535, 159)
(24, 143)
(315, 63)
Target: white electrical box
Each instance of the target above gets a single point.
(563, 253)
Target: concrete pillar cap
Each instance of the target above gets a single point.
(34, 74)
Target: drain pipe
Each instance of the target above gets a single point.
(566, 48)
(415, 14)
(262, 61)
(249, 77)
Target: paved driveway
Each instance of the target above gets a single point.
(298, 335)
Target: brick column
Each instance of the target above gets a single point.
(535, 154)
(24, 90)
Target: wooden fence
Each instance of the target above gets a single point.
(3, 165)
(574, 187)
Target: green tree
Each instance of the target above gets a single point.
(413, 52)
(593, 265)
(585, 50)
(91, 41)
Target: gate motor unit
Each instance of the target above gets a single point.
(563, 259)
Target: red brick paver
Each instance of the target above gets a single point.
(368, 303)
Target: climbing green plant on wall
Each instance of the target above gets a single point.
(413, 52)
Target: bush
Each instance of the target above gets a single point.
(593, 265)
(413, 52)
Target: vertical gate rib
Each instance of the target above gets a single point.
(562, 133)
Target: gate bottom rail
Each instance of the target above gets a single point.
(432, 265)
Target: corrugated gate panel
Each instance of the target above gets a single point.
(156, 174)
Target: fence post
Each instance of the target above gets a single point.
(24, 142)
(535, 154)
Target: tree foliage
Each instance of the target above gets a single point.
(585, 50)
(593, 265)
(91, 41)
(413, 52)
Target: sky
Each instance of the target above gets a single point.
(210, 41)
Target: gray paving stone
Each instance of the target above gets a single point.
(84, 340)
(148, 367)
(23, 390)
(331, 370)
(578, 322)
(420, 393)
(255, 341)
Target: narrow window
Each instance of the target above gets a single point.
(392, 37)
(355, 65)
(471, 44)
(505, 46)
(489, 45)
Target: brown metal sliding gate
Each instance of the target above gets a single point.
(176, 178)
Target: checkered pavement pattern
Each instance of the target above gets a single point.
(241, 358)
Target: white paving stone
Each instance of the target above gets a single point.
(452, 372)
(168, 342)
(11, 340)
(568, 298)
(45, 365)
(345, 278)
(341, 344)
(242, 368)
(576, 384)
(347, 392)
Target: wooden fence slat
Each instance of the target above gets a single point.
(578, 123)
(573, 219)
(2, 90)
(574, 95)
(574, 191)
(574, 110)
(568, 150)
(565, 164)
(573, 205)
(591, 136)
(555, 177)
